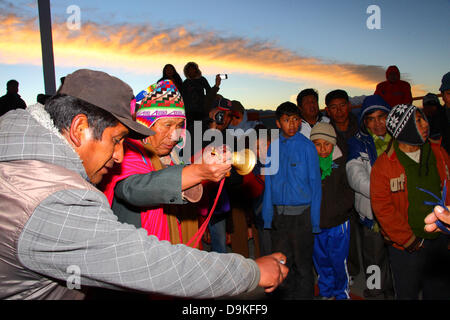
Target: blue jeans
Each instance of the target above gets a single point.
(217, 230)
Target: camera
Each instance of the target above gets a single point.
(223, 76)
(219, 118)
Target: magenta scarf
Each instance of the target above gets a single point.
(136, 161)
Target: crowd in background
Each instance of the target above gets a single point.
(348, 188)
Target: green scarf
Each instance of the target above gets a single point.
(380, 144)
(325, 165)
(417, 175)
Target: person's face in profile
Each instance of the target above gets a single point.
(422, 125)
(446, 98)
(99, 156)
(236, 118)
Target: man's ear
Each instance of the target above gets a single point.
(328, 112)
(278, 124)
(78, 128)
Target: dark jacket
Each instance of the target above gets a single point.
(11, 101)
(194, 93)
(342, 137)
(337, 196)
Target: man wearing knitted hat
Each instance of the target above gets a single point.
(127, 186)
(364, 148)
(419, 260)
(331, 245)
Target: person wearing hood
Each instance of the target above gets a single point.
(411, 164)
(364, 148)
(394, 91)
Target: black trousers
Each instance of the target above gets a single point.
(375, 253)
(427, 269)
(292, 235)
(353, 264)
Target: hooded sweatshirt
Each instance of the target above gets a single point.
(58, 233)
(394, 93)
(362, 154)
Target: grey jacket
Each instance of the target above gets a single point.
(58, 234)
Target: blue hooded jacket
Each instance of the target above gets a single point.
(362, 154)
(363, 141)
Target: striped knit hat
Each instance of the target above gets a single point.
(160, 100)
(401, 124)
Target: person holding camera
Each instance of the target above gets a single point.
(198, 95)
(214, 126)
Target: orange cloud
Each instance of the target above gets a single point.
(141, 48)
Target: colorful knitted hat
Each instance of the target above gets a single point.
(160, 100)
(401, 124)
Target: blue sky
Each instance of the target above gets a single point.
(270, 49)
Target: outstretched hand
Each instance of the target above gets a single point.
(273, 270)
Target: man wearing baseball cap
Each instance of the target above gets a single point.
(58, 235)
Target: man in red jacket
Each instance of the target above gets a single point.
(394, 91)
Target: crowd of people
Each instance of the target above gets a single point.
(113, 183)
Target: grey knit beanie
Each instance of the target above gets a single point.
(323, 131)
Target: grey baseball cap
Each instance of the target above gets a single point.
(108, 93)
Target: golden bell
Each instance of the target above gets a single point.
(244, 161)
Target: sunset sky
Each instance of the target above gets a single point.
(270, 49)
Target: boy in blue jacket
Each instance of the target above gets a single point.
(291, 203)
